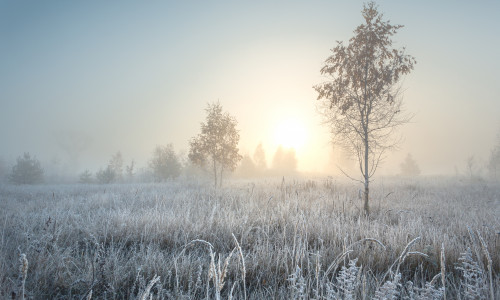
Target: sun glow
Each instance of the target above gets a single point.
(290, 134)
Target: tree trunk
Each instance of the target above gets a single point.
(367, 190)
(366, 110)
(366, 176)
(220, 177)
(215, 175)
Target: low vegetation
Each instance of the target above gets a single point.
(269, 239)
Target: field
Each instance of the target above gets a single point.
(432, 238)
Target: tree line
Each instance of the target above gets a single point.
(214, 150)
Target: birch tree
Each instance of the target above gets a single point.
(165, 164)
(216, 147)
(361, 99)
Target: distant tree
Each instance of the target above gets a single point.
(410, 167)
(73, 143)
(217, 144)
(116, 164)
(284, 161)
(130, 171)
(494, 161)
(105, 176)
(165, 164)
(362, 102)
(85, 177)
(27, 170)
(247, 167)
(3, 170)
(472, 168)
(259, 158)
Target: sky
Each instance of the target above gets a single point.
(129, 75)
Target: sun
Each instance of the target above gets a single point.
(290, 134)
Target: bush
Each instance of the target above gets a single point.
(27, 170)
(105, 176)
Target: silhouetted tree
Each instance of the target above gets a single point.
(165, 164)
(73, 143)
(409, 167)
(3, 170)
(259, 157)
(247, 167)
(362, 103)
(105, 176)
(130, 170)
(116, 164)
(494, 160)
(284, 161)
(27, 170)
(86, 177)
(472, 168)
(217, 144)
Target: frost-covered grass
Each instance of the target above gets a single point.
(264, 239)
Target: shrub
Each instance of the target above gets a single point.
(105, 176)
(27, 170)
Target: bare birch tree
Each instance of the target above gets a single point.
(361, 100)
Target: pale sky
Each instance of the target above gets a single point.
(133, 75)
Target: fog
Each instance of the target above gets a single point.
(81, 81)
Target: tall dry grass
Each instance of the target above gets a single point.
(303, 239)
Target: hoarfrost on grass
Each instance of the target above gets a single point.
(305, 239)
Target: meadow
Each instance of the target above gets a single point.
(427, 238)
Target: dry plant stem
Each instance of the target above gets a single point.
(405, 253)
(443, 270)
(334, 265)
(232, 290)
(363, 292)
(368, 240)
(318, 268)
(400, 259)
(435, 278)
(146, 292)
(243, 268)
(417, 253)
(218, 273)
(490, 272)
(23, 273)
(476, 247)
(176, 276)
(89, 295)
